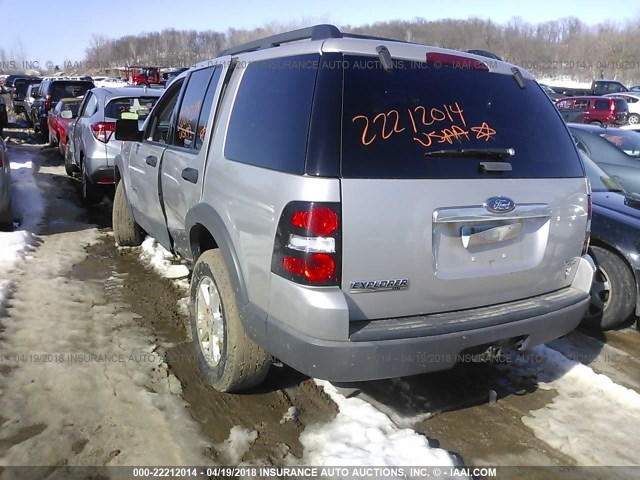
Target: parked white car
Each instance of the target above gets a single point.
(633, 100)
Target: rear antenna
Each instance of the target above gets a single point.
(385, 58)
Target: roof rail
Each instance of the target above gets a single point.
(317, 32)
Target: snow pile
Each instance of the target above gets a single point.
(591, 417)
(14, 246)
(361, 435)
(28, 204)
(238, 443)
(162, 262)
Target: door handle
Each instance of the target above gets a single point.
(190, 175)
(152, 160)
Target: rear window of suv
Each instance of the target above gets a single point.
(393, 120)
(69, 89)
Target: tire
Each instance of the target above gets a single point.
(634, 119)
(613, 293)
(63, 150)
(596, 122)
(69, 166)
(89, 192)
(126, 231)
(6, 223)
(236, 363)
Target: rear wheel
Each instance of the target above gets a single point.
(634, 119)
(613, 292)
(595, 122)
(69, 167)
(6, 220)
(126, 231)
(90, 193)
(228, 358)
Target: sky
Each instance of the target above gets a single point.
(64, 32)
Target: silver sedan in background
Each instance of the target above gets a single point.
(92, 146)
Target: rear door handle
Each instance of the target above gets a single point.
(190, 175)
(152, 160)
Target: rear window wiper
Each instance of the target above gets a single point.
(474, 152)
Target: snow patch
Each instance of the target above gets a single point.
(238, 443)
(94, 390)
(361, 435)
(591, 417)
(290, 415)
(163, 262)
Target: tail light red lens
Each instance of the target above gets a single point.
(319, 221)
(307, 248)
(103, 131)
(47, 102)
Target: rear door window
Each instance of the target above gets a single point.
(602, 104)
(392, 122)
(190, 108)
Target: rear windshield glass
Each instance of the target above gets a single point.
(69, 89)
(627, 141)
(133, 108)
(393, 120)
(21, 86)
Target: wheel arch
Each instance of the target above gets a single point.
(207, 231)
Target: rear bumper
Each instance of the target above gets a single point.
(401, 347)
(101, 174)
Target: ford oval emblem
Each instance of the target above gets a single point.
(499, 205)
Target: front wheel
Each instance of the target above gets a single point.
(634, 119)
(613, 292)
(228, 358)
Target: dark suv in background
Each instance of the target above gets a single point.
(19, 91)
(604, 111)
(50, 93)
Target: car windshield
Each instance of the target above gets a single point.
(132, 108)
(600, 181)
(625, 140)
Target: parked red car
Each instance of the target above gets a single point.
(604, 111)
(59, 119)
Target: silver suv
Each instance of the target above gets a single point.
(91, 146)
(359, 208)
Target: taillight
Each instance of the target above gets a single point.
(587, 235)
(47, 102)
(103, 130)
(307, 248)
(456, 61)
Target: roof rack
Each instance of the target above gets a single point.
(317, 32)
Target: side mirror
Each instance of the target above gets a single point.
(127, 130)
